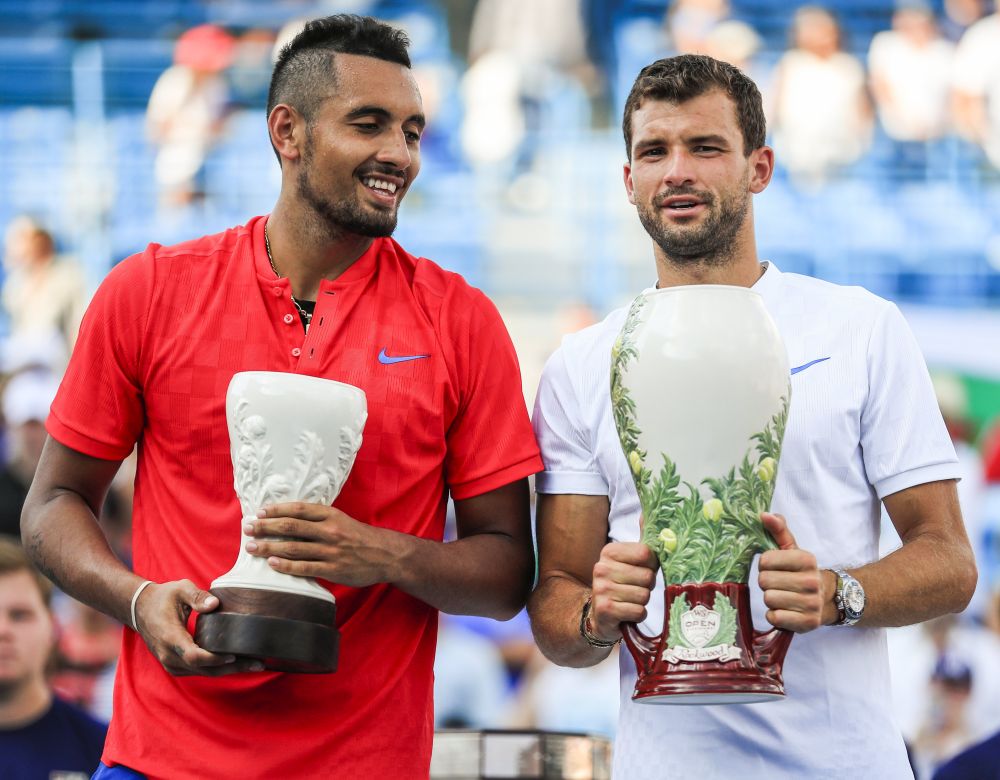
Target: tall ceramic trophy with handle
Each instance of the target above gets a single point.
(292, 438)
(700, 391)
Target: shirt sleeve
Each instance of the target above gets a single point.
(98, 410)
(570, 465)
(490, 442)
(903, 436)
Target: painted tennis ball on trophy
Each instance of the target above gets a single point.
(766, 469)
(668, 539)
(712, 510)
(635, 462)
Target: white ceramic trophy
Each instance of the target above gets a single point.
(700, 390)
(292, 438)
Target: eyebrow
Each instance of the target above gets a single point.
(714, 140)
(382, 113)
(697, 140)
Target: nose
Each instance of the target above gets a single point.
(395, 151)
(679, 169)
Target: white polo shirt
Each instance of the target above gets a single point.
(863, 424)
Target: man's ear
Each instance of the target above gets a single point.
(627, 175)
(761, 168)
(286, 126)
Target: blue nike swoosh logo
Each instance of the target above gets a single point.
(804, 366)
(386, 360)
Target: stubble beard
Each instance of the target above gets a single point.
(713, 242)
(345, 216)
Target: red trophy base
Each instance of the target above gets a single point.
(698, 660)
(286, 631)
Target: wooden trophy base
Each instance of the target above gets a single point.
(286, 631)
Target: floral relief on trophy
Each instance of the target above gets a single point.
(309, 479)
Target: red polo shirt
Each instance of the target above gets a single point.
(163, 336)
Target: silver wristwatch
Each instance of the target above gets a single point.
(849, 599)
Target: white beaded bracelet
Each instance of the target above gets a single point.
(135, 598)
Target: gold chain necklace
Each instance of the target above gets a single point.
(267, 245)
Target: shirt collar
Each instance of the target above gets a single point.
(766, 285)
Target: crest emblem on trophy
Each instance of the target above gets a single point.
(292, 438)
(700, 393)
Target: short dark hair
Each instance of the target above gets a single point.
(678, 79)
(14, 559)
(304, 77)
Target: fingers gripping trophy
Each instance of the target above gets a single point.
(292, 438)
(700, 393)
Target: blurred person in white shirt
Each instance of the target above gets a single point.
(821, 114)
(44, 293)
(910, 72)
(977, 85)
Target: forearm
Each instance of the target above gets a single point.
(927, 577)
(60, 532)
(555, 607)
(487, 574)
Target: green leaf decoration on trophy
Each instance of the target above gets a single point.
(675, 637)
(698, 539)
(727, 629)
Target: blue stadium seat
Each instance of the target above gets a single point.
(36, 71)
(131, 68)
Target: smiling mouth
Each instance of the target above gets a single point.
(384, 189)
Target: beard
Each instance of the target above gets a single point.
(348, 215)
(710, 243)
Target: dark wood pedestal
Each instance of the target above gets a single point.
(286, 631)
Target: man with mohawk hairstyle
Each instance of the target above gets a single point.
(318, 287)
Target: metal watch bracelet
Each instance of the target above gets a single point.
(588, 636)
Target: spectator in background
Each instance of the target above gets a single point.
(186, 112)
(470, 682)
(87, 649)
(40, 735)
(736, 43)
(43, 293)
(690, 24)
(910, 71)
(959, 16)
(977, 85)
(26, 401)
(821, 114)
(947, 730)
(982, 760)
(979, 762)
(521, 52)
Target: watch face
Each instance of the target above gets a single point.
(854, 598)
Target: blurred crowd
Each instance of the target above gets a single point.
(920, 99)
(923, 98)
